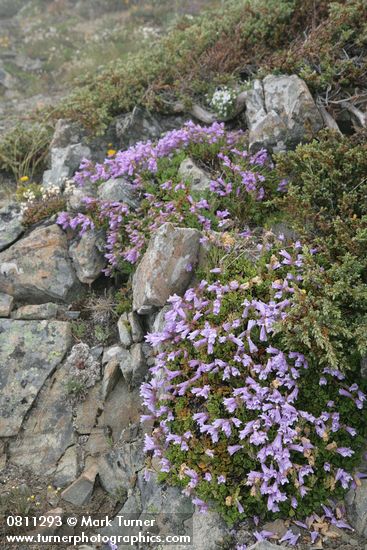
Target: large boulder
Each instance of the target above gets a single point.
(29, 352)
(48, 431)
(10, 224)
(357, 507)
(165, 268)
(281, 113)
(38, 269)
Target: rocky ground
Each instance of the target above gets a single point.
(71, 441)
(70, 435)
(45, 45)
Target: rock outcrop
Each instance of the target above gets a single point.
(37, 269)
(10, 224)
(29, 352)
(166, 267)
(281, 113)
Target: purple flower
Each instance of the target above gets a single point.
(343, 477)
(201, 392)
(345, 451)
(232, 449)
(202, 506)
(290, 537)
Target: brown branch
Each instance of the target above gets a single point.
(359, 115)
(329, 121)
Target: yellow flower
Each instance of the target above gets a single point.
(111, 152)
(24, 179)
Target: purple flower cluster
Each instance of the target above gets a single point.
(127, 230)
(144, 156)
(204, 352)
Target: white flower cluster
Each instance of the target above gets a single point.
(149, 32)
(69, 187)
(222, 101)
(30, 196)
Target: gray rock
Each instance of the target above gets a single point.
(160, 319)
(171, 509)
(87, 257)
(48, 431)
(126, 365)
(38, 269)
(6, 304)
(66, 133)
(137, 332)
(29, 353)
(97, 443)
(119, 190)
(118, 468)
(80, 492)
(10, 224)
(65, 161)
(36, 312)
(134, 366)
(281, 113)
(96, 352)
(122, 408)
(124, 330)
(140, 125)
(163, 270)
(209, 532)
(87, 410)
(67, 468)
(136, 126)
(356, 501)
(76, 198)
(113, 352)
(111, 376)
(28, 63)
(131, 509)
(199, 179)
(7, 81)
